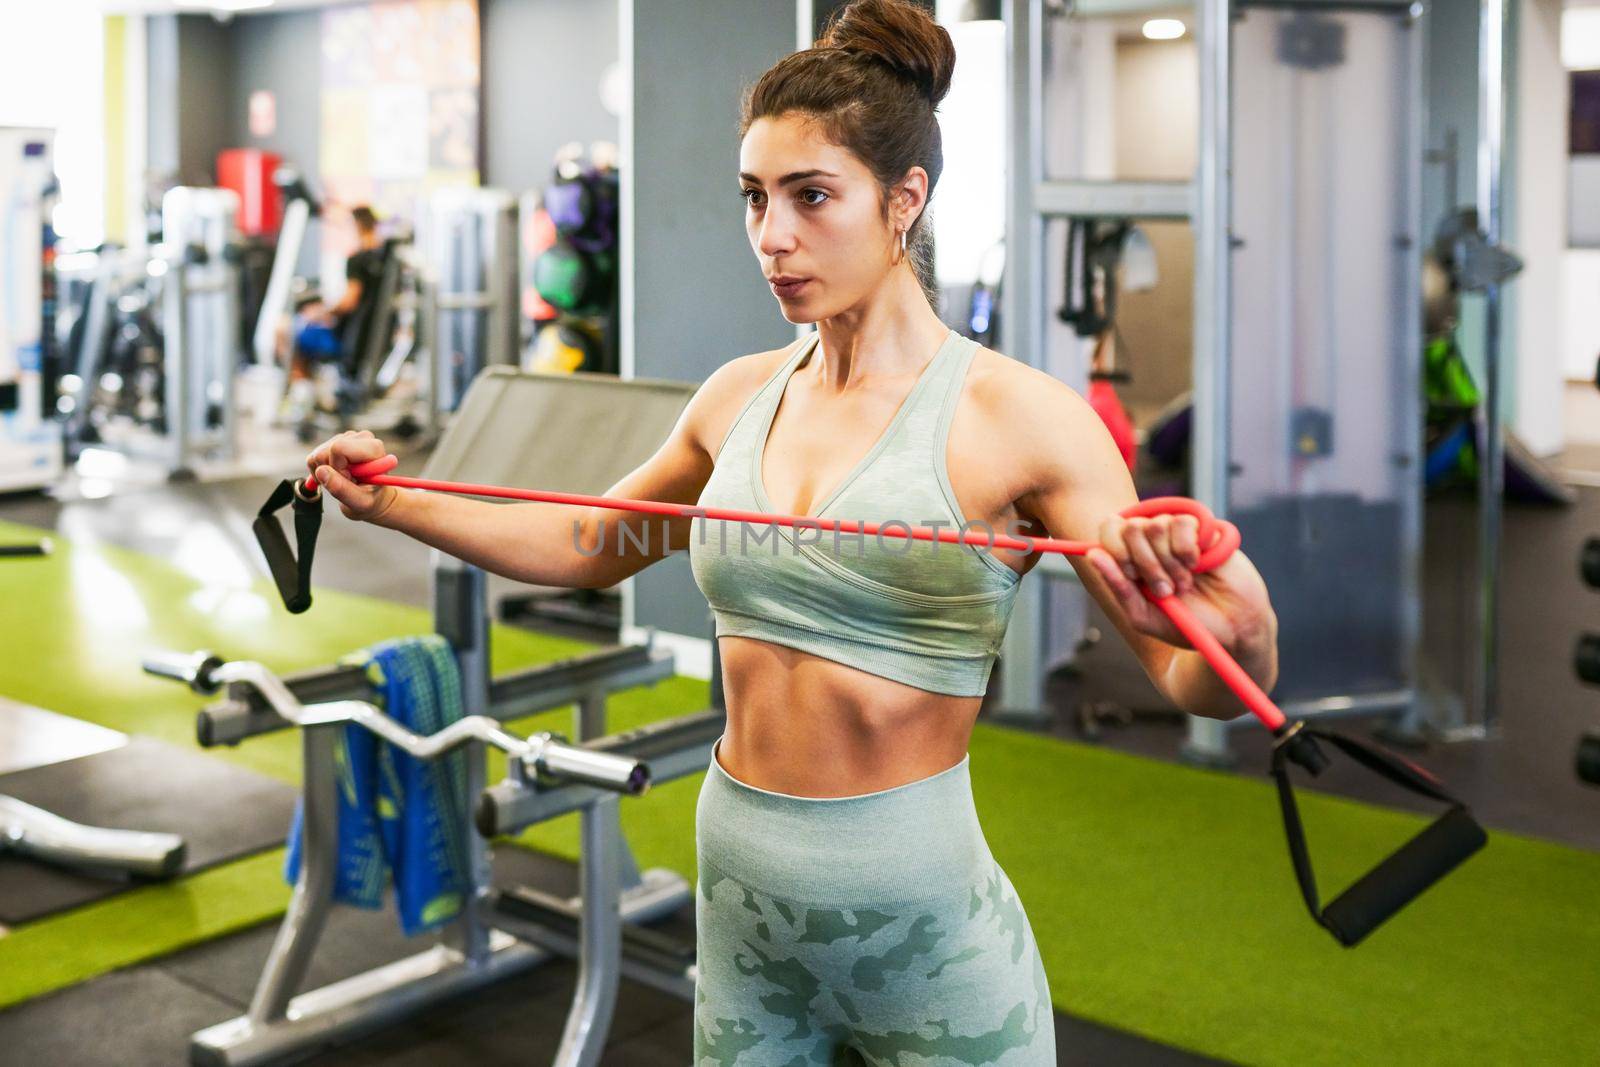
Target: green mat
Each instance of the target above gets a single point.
(95, 611)
(1161, 895)
(137, 925)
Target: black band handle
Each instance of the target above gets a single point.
(290, 567)
(1400, 878)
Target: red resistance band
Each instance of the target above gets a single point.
(1220, 536)
(1356, 912)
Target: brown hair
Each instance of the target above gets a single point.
(365, 220)
(872, 81)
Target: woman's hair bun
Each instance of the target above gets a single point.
(900, 34)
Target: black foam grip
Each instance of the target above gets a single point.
(291, 571)
(1404, 876)
(1400, 878)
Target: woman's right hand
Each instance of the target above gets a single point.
(330, 463)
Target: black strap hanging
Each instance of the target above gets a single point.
(1401, 877)
(290, 567)
(1089, 274)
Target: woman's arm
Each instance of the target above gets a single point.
(1076, 486)
(542, 543)
(558, 544)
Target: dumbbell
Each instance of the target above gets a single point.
(1588, 761)
(1586, 658)
(1586, 661)
(1586, 655)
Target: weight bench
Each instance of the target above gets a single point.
(513, 428)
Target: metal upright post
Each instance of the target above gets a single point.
(223, 439)
(1409, 460)
(177, 343)
(501, 281)
(431, 336)
(589, 723)
(1491, 466)
(1212, 252)
(461, 616)
(307, 915)
(599, 939)
(470, 933)
(1022, 302)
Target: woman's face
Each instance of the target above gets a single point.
(813, 212)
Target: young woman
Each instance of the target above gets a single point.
(848, 905)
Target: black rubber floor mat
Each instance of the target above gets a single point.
(223, 812)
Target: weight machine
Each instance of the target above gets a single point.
(30, 442)
(154, 344)
(548, 776)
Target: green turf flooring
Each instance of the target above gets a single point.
(1161, 896)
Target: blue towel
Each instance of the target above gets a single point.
(398, 813)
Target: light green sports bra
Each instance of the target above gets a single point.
(928, 614)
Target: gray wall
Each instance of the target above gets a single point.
(698, 299)
(541, 75)
(1538, 223)
(205, 60)
(282, 54)
(189, 57)
(542, 61)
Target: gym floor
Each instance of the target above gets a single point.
(1521, 782)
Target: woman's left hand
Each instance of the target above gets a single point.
(1231, 601)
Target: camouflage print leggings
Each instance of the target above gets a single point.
(872, 929)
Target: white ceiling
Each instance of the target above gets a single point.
(163, 7)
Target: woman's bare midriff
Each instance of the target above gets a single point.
(810, 727)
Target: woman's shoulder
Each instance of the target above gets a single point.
(737, 380)
(754, 368)
(1027, 413)
(729, 388)
(1009, 389)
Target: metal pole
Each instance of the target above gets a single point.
(285, 970)
(599, 937)
(1491, 465)
(430, 336)
(469, 933)
(589, 723)
(501, 283)
(1409, 435)
(461, 616)
(1208, 738)
(175, 354)
(224, 439)
(1022, 301)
